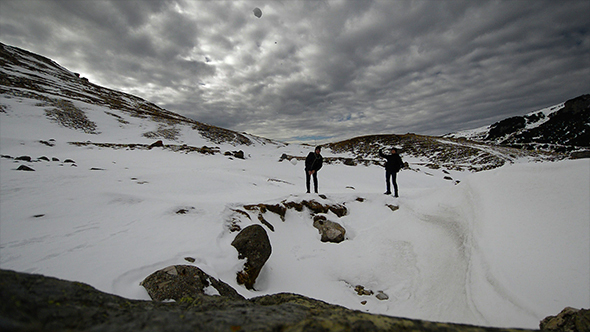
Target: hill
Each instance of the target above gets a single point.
(67, 100)
(560, 128)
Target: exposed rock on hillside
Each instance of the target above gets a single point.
(457, 154)
(38, 303)
(564, 128)
(27, 75)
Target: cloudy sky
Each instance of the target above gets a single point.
(309, 70)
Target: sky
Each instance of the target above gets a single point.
(320, 70)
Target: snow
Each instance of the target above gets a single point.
(503, 248)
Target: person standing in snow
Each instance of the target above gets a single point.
(393, 164)
(313, 163)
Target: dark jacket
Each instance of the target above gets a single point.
(394, 161)
(313, 162)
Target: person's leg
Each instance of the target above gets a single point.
(387, 176)
(307, 178)
(315, 181)
(394, 180)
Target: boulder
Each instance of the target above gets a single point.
(252, 244)
(568, 320)
(37, 303)
(330, 231)
(178, 282)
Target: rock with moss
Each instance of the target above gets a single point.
(38, 303)
(177, 282)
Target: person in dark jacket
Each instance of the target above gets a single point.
(393, 164)
(313, 163)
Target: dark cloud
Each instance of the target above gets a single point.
(320, 68)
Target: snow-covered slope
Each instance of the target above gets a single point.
(503, 247)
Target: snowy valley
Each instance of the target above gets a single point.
(480, 234)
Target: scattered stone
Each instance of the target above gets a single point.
(178, 282)
(392, 207)
(97, 169)
(43, 158)
(382, 296)
(329, 230)
(568, 320)
(184, 210)
(156, 144)
(69, 161)
(360, 199)
(54, 159)
(238, 154)
(5, 156)
(189, 259)
(24, 158)
(252, 244)
(360, 290)
(25, 168)
(448, 178)
(39, 216)
(50, 143)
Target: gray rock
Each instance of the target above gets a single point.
(330, 231)
(568, 320)
(37, 303)
(177, 282)
(252, 244)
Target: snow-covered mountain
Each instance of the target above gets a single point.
(87, 195)
(562, 128)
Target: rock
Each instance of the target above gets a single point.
(37, 303)
(382, 296)
(25, 168)
(156, 144)
(392, 207)
(238, 154)
(24, 158)
(330, 231)
(253, 244)
(568, 320)
(184, 281)
(360, 290)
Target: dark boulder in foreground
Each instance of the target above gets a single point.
(252, 244)
(37, 303)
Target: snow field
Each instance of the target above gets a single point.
(505, 247)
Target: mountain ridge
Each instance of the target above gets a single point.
(66, 99)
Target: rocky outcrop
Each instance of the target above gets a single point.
(568, 320)
(37, 303)
(185, 281)
(252, 244)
